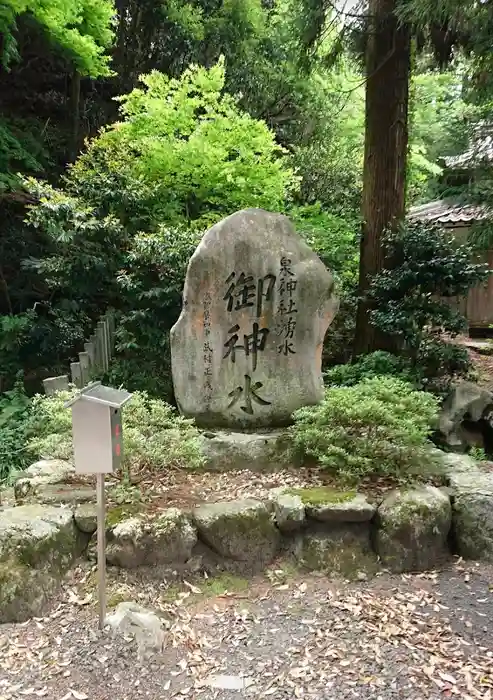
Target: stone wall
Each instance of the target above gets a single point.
(340, 533)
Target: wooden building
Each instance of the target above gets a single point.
(457, 217)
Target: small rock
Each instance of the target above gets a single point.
(49, 471)
(412, 529)
(54, 494)
(289, 510)
(131, 619)
(241, 530)
(464, 399)
(344, 550)
(86, 517)
(473, 514)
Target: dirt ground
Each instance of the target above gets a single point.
(282, 636)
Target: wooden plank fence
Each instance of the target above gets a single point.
(94, 360)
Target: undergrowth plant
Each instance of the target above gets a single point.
(15, 411)
(378, 427)
(154, 434)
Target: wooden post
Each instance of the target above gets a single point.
(101, 346)
(108, 340)
(101, 510)
(111, 323)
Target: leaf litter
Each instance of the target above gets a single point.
(421, 636)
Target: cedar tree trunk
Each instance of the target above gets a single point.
(388, 67)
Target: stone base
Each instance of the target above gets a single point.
(341, 550)
(258, 451)
(331, 531)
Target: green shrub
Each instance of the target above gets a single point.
(151, 289)
(411, 300)
(376, 364)
(154, 434)
(376, 427)
(14, 430)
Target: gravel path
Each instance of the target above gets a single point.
(286, 636)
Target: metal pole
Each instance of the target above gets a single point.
(101, 550)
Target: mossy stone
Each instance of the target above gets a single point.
(330, 505)
(341, 550)
(412, 528)
(37, 545)
(241, 530)
(473, 514)
(147, 540)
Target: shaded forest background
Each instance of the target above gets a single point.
(228, 105)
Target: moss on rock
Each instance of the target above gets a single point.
(320, 495)
(330, 505)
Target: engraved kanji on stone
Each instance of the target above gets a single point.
(243, 292)
(252, 343)
(286, 348)
(287, 327)
(286, 267)
(249, 394)
(289, 309)
(287, 285)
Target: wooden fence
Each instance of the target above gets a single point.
(94, 360)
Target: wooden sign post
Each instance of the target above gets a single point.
(98, 449)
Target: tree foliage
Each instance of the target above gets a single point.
(82, 29)
(412, 299)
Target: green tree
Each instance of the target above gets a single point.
(124, 225)
(80, 28)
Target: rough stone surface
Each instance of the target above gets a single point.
(50, 481)
(55, 494)
(450, 463)
(131, 619)
(241, 530)
(412, 529)
(289, 511)
(335, 507)
(37, 545)
(341, 550)
(473, 514)
(86, 517)
(247, 348)
(144, 540)
(465, 400)
(266, 451)
(49, 471)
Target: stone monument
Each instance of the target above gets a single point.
(247, 349)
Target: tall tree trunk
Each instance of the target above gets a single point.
(388, 67)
